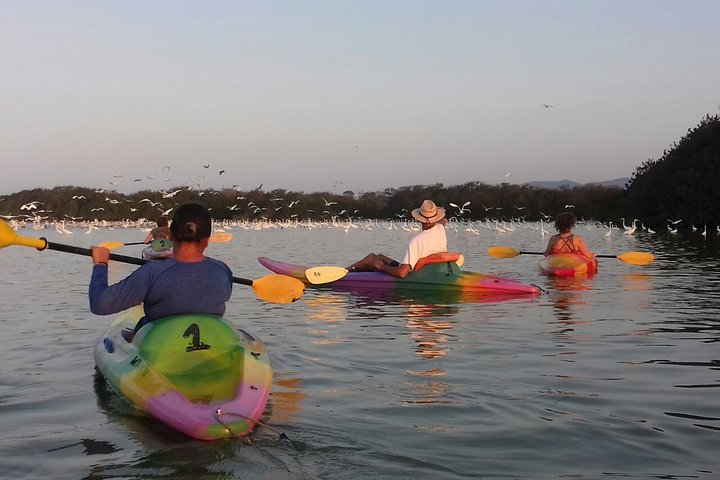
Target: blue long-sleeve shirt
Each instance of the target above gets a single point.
(165, 287)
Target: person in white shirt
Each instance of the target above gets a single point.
(431, 239)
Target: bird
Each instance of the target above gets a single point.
(30, 206)
(569, 206)
(152, 204)
(546, 105)
(327, 204)
(170, 194)
(221, 172)
(462, 209)
(206, 166)
(609, 232)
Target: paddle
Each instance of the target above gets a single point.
(328, 274)
(320, 275)
(633, 258)
(271, 288)
(219, 237)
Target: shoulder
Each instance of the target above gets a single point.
(218, 264)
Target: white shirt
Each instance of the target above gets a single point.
(427, 242)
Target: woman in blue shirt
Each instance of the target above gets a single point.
(187, 283)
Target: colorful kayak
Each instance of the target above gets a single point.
(442, 275)
(567, 265)
(158, 249)
(195, 373)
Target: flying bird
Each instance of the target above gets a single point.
(547, 106)
(462, 209)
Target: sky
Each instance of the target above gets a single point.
(347, 95)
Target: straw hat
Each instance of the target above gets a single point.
(428, 212)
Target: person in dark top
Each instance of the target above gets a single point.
(187, 283)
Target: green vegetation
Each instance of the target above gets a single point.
(485, 202)
(683, 184)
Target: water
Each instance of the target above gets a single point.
(613, 376)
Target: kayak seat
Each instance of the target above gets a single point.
(436, 258)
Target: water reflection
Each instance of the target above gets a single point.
(167, 453)
(567, 295)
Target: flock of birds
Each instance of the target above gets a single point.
(347, 223)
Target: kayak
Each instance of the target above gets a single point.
(158, 250)
(567, 265)
(195, 373)
(433, 275)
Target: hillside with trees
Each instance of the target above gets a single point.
(683, 184)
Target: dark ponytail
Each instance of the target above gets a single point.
(191, 223)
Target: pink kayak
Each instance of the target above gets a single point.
(441, 275)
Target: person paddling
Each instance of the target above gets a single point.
(431, 239)
(187, 283)
(565, 241)
(161, 232)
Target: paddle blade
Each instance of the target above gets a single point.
(637, 258)
(320, 275)
(9, 237)
(221, 237)
(278, 288)
(460, 261)
(503, 252)
(111, 245)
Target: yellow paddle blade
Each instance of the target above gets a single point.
(9, 237)
(111, 245)
(503, 252)
(221, 237)
(320, 275)
(460, 261)
(277, 288)
(637, 258)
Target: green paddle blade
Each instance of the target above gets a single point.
(320, 275)
(278, 288)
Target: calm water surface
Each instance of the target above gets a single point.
(614, 376)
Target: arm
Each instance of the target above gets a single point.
(584, 250)
(149, 238)
(104, 299)
(551, 243)
(401, 271)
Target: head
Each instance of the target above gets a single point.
(163, 221)
(191, 223)
(428, 214)
(565, 222)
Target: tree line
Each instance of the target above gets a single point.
(683, 184)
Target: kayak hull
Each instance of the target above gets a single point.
(158, 250)
(567, 265)
(436, 276)
(195, 373)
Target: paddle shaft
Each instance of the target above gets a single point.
(114, 256)
(543, 253)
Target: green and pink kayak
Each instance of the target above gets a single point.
(196, 373)
(433, 276)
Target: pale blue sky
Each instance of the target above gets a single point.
(352, 95)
